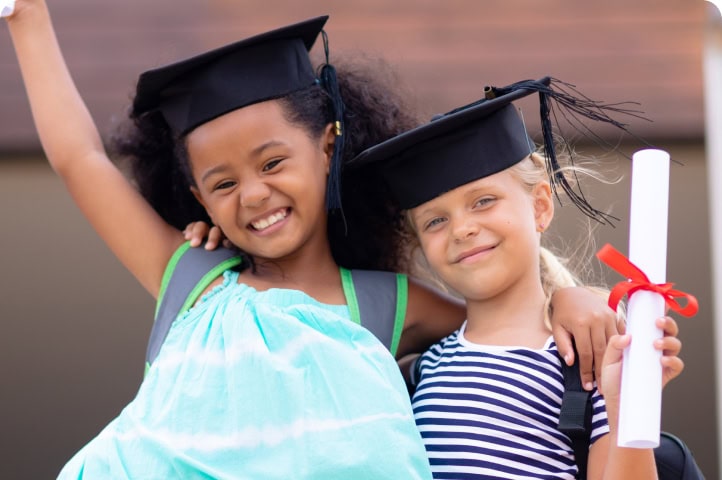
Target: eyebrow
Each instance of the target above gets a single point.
(422, 216)
(211, 171)
(271, 143)
(254, 153)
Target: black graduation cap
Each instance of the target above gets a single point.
(199, 89)
(481, 139)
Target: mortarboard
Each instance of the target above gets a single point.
(196, 90)
(481, 139)
(263, 67)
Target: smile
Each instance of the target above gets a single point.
(272, 219)
(473, 254)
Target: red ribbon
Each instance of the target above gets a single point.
(637, 280)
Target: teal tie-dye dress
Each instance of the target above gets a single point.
(262, 385)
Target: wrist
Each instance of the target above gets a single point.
(23, 13)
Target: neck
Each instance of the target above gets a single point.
(514, 317)
(312, 271)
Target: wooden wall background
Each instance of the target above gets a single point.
(73, 323)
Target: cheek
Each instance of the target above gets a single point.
(434, 249)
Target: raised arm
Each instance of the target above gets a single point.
(134, 232)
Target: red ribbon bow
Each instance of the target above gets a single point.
(637, 280)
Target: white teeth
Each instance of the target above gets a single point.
(267, 222)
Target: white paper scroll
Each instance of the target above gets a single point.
(641, 391)
(6, 7)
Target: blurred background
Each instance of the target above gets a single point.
(74, 323)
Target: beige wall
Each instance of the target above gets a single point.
(74, 323)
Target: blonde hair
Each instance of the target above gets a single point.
(554, 271)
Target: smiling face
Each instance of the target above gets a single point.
(262, 180)
(483, 238)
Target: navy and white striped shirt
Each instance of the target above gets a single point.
(492, 412)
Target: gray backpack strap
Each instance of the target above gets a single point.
(382, 299)
(187, 275)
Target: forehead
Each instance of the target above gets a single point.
(253, 122)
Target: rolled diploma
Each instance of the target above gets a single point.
(641, 390)
(6, 7)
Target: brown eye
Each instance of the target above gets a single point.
(270, 165)
(224, 185)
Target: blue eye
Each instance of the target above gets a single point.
(484, 201)
(434, 222)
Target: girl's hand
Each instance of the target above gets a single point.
(669, 345)
(583, 314)
(11, 8)
(196, 232)
(7, 7)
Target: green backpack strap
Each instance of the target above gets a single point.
(187, 275)
(377, 301)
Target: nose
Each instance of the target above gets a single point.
(254, 193)
(463, 228)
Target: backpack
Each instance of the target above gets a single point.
(673, 458)
(376, 299)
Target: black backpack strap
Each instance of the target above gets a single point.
(575, 417)
(377, 300)
(674, 459)
(187, 275)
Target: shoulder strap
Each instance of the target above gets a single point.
(575, 417)
(188, 273)
(674, 459)
(378, 301)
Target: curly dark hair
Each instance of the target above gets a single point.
(370, 234)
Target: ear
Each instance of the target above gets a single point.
(328, 141)
(543, 205)
(196, 193)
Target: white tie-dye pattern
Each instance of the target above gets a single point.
(238, 350)
(269, 436)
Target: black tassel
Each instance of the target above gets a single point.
(329, 82)
(572, 105)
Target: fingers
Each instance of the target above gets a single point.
(668, 326)
(671, 368)
(600, 335)
(615, 349)
(670, 346)
(584, 314)
(214, 238)
(195, 232)
(612, 365)
(564, 344)
(621, 326)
